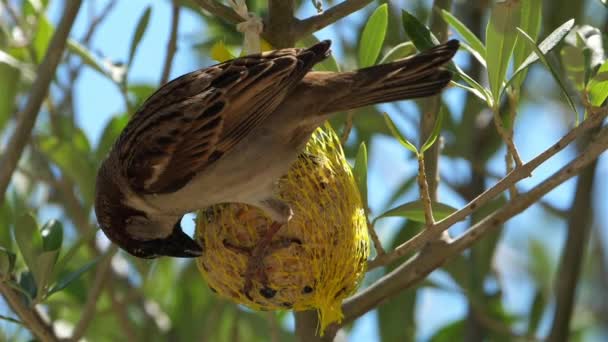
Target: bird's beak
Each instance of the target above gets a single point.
(180, 245)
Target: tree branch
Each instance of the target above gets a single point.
(516, 175)
(312, 24)
(27, 118)
(419, 266)
(281, 22)
(28, 315)
(220, 10)
(172, 44)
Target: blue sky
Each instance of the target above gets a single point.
(98, 99)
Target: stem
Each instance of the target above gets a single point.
(281, 22)
(172, 44)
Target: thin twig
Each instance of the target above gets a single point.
(27, 118)
(30, 318)
(316, 22)
(424, 193)
(518, 174)
(88, 312)
(172, 44)
(420, 265)
(508, 139)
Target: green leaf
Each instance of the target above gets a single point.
(140, 29)
(500, 41)
(536, 312)
(424, 39)
(465, 33)
(545, 46)
(434, 133)
(372, 37)
(9, 80)
(328, 64)
(542, 57)
(450, 332)
(67, 279)
(7, 262)
(598, 86)
(43, 36)
(398, 136)
(29, 240)
(86, 56)
(531, 13)
(415, 211)
(109, 135)
(419, 34)
(360, 171)
(220, 52)
(52, 235)
(398, 52)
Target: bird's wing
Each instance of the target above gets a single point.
(193, 120)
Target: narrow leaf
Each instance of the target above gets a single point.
(66, 280)
(9, 79)
(398, 52)
(530, 22)
(29, 240)
(372, 37)
(464, 32)
(360, 171)
(545, 46)
(86, 56)
(140, 29)
(391, 126)
(419, 34)
(500, 41)
(554, 73)
(434, 133)
(7, 262)
(415, 211)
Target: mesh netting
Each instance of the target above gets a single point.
(328, 219)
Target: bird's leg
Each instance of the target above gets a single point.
(255, 263)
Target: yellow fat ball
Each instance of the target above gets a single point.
(329, 260)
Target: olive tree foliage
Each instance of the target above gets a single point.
(474, 166)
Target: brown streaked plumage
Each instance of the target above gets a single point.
(226, 134)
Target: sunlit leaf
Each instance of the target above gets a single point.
(43, 36)
(372, 37)
(415, 211)
(466, 34)
(360, 171)
(220, 52)
(86, 56)
(140, 30)
(500, 41)
(598, 86)
(531, 13)
(406, 143)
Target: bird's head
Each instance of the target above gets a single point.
(135, 231)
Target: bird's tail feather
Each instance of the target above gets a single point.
(413, 77)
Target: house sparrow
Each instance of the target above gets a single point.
(228, 132)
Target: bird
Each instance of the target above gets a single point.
(228, 132)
